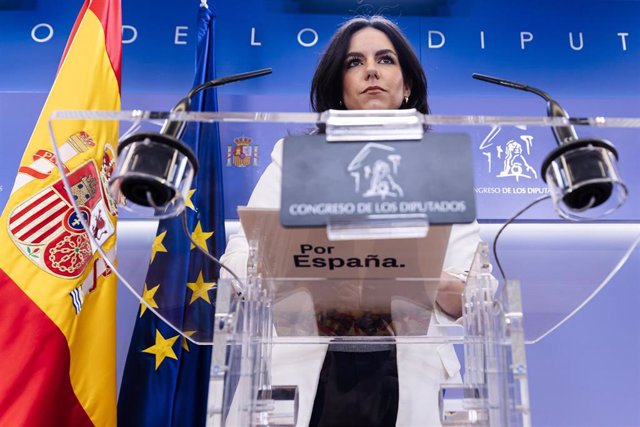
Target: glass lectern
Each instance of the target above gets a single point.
(272, 328)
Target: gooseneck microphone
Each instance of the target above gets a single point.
(563, 134)
(176, 128)
(155, 169)
(581, 170)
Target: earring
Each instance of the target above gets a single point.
(406, 99)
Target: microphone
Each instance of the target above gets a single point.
(563, 134)
(176, 129)
(581, 173)
(155, 169)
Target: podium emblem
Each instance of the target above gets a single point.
(374, 170)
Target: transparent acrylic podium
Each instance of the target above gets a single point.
(262, 340)
(254, 333)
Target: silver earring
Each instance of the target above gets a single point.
(406, 99)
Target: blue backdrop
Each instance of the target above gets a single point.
(584, 53)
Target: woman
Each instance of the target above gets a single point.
(368, 64)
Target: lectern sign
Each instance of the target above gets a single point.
(323, 181)
(308, 252)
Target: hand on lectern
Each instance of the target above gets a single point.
(450, 295)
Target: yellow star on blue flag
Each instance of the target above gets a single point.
(162, 348)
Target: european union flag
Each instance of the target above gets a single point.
(166, 378)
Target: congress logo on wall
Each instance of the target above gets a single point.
(508, 157)
(510, 162)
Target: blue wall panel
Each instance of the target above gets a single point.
(586, 373)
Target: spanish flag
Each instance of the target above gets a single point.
(57, 295)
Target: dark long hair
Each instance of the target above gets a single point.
(326, 86)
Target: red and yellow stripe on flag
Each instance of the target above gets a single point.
(57, 297)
